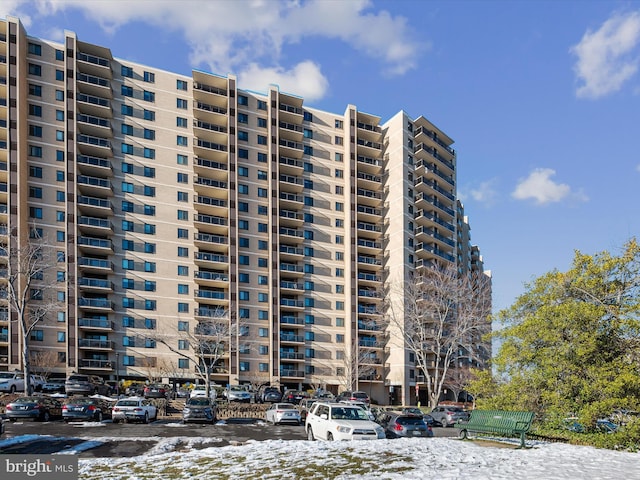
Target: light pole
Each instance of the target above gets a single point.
(117, 374)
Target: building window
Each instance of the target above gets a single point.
(262, 140)
(243, 259)
(243, 172)
(183, 271)
(243, 100)
(243, 136)
(181, 85)
(183, 233)
(183, 363)
(182, 141)
(35, 70)
(149, 77)
(245, 366)
(149, 115)
(243, 153)
(149, 96)
(243, 295)
(243, 118)
(263, 332)
(183, 251)
(262, 192)
(182, 103)
(181, 122)
(183, 178)
(183, 215)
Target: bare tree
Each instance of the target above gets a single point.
(205, 344)
(29, 289)
(356, 365)
(44, 361)
(441, 316)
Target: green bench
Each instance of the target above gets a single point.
(498, 422)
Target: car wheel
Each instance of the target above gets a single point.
(146, 417)
(98, 416)
(310, 435)
(45, 416)
(12, 420)
(462, 435)
(13, 389)
(330, 437)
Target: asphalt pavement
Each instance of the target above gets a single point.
(133, 439)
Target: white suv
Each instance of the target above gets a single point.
(340, 421)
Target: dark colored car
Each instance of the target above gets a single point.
(356, 396)
(77, 384)
(156, 390)
(400, 425)
(428, 419)
(305, 406)
(294, 396)
(135, 390)
(200, 409)
(271, 395)
(36, 408)
(84, 408)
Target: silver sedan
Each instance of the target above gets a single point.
(283, 413)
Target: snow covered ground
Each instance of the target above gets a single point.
(442, 458)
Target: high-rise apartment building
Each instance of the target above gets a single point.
(175, 202)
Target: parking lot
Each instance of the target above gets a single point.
(132, 439)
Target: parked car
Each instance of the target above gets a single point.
(363, 406)
(78, 384)
(41, 408)
(448, 416)
(338, 421)
(132, 409)
(157, 390)
(428, 419)
(294, 396)
(85, 408)
(279, 413)
(54, 385)
(11, 382)
(201, 391)
(268, 395)
(237, 394)
(37, 381)
(135, 390)
(200, 409)
(405, 425)
(356, 396)
(304, 406)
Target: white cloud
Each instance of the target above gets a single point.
(485, 192)
(543, 190)
(305, 79)
(247, 37)
(608, 57)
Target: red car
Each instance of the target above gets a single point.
(294, 396)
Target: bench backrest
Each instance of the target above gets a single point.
(502, 420)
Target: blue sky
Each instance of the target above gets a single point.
(541, 97)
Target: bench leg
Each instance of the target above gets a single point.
(522, 444)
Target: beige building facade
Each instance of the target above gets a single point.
(172, 200)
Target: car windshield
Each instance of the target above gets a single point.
(349, 414)
(127, 403)
(78, 378)
(198, 401)
(6, 375)
(285, 406)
